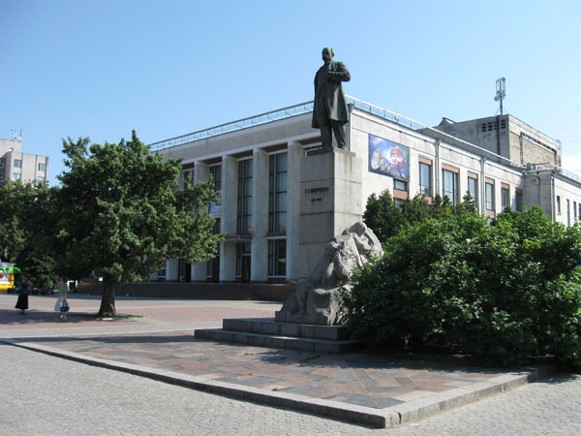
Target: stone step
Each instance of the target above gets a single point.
(268, 326)
(273, 341)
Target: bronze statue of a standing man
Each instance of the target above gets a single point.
(330, 112)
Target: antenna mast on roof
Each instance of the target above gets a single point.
(500, 91)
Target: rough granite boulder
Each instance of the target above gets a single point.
(318, 299)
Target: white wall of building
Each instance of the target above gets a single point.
(352, 184)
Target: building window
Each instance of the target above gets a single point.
(425, 179)
(188, 177)
(450, 186)
(17, 163)
(399, 203)
(489, 190)
(473, 191)
(277, 193)
(243, 252)
(568, 213)
(16, 176)
(400, 185)
(277, 257)
(558, 205)
(216, 174)
(505, 197)
(42, 167)
(213, 265)
(518, 201)
(244, 213)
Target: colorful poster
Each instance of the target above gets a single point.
(389, 158)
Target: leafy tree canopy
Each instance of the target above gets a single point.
(27, 227)
(122, 214)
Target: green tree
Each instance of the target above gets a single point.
(122, 214)
(12, 233)
(416, 210)
(387, 219)
(27, 220)
(382, 215)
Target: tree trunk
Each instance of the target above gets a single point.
(107, 309)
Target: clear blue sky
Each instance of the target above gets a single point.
(101, 68)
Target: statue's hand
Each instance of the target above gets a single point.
(334, 77)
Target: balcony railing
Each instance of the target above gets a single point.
(245, 123)
(280, 114)
(550, 167)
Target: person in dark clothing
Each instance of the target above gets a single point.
(23, 289)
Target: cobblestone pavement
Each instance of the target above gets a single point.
(45, 395)
(160, 338)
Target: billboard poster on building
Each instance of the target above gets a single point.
(389, 158)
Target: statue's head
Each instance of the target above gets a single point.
(328, 54)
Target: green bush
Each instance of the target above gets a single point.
(504, 291)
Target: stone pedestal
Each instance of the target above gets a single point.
(330, 202)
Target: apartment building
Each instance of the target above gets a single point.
(17, 165)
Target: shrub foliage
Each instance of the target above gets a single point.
(503, 291)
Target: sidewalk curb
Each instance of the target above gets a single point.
(393, 416)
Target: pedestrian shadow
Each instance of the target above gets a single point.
(13, 317)
(104, 340)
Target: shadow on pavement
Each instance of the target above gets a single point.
(35, 316)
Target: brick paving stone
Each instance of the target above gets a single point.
(160, 337)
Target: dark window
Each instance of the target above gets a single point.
(277, 204)
(425, 179)
(244, 214)
(216, 173)
(473, 191)
(489, 189)
(505, 198)
(400, 185)
(450, 186)
(277, 257)
(518, 201)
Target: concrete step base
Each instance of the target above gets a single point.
(268, 326)
(266, 332)
(271, 341)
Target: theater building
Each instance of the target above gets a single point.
(282, 197)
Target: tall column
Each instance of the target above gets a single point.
(293, 225)
(172, 270)
(259, 251)
(201, 174)
(229, 209)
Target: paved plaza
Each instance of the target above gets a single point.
(360, 389)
